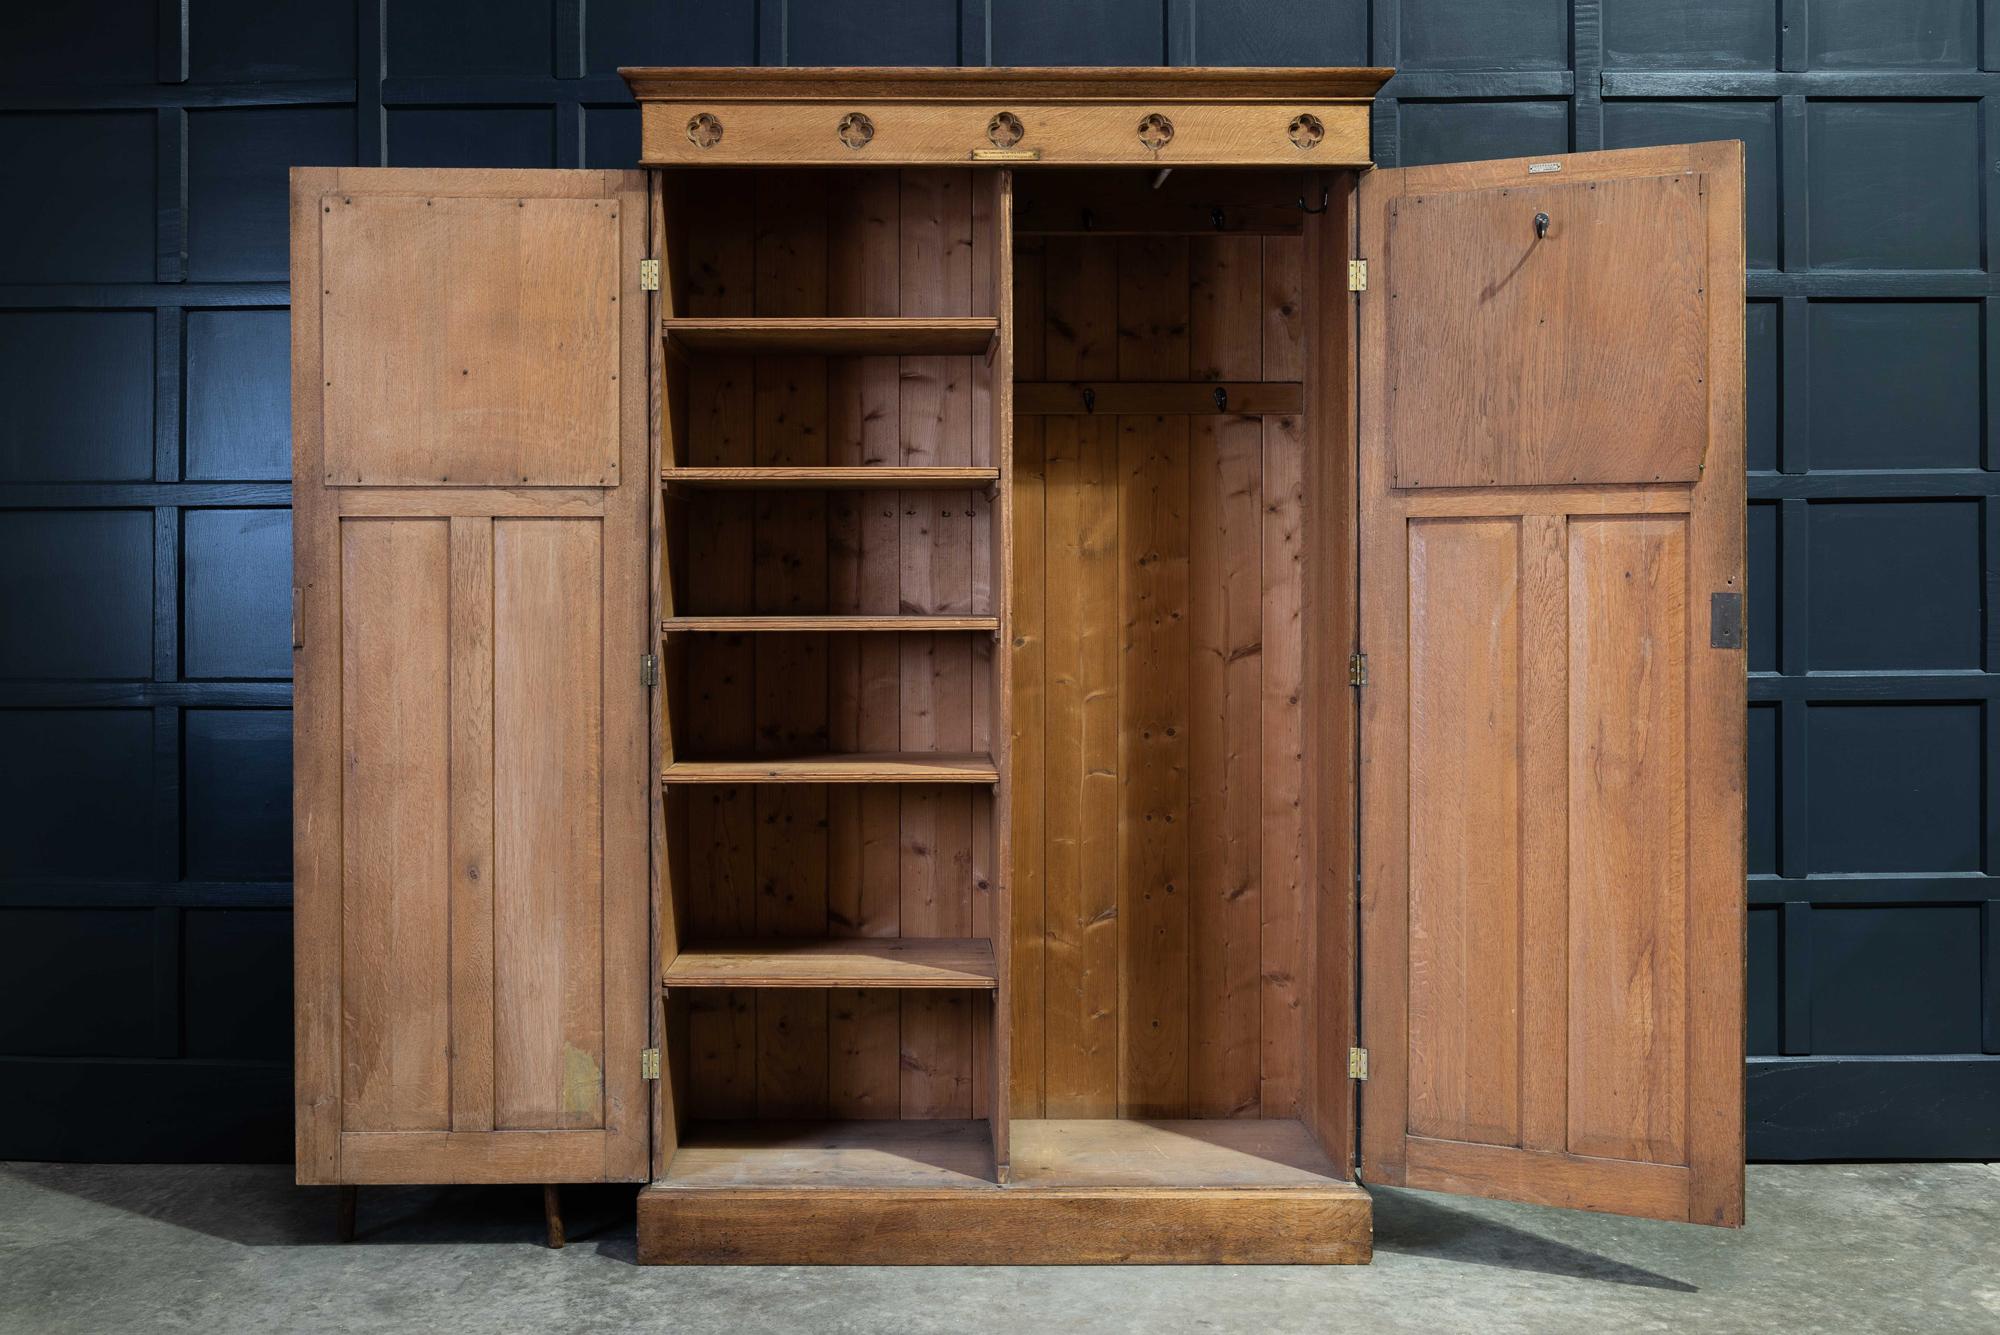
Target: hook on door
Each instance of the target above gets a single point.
(1541, 225)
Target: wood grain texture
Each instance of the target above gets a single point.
(1083, 1192)
(1629, 647)
(472, 812)
(1081, 746)
(317, 819)
(1592, 365)
(807, 134)
(797, 467)
(469, 342)
(1176, 397)
(548, 777)
(838, 623)
(1228, 997)
(1154, 715)
(491, 956)
(867, 478)
(918, 767)
(395, 930)
(906, 962)
(1225, 760)
(849, 336)
(999, 84)
(1612, 1036)
(1465, 854)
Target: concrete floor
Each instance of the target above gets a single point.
(1879, 1248)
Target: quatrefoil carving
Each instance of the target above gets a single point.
(704, 131)
(1156, 132)
(1005, 130)
(855, 130)
(1306, 130)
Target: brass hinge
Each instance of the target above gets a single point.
(649, 670)
(649, 275)
(1357, 669)
(649, 1063)
(1357, 1063)
(1357, 275)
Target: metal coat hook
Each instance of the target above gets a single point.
(1541, 225)
(1221, 399)
(1089, 399)
(1325, 198)
(1215, 216)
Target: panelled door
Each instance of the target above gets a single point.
(470, 487)
(1551, 589)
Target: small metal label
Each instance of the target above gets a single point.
(1537, 168)
(1725, 621)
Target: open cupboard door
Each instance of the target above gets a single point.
(471, 483)
(1551, 594)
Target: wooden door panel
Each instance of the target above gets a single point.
(469, 342)
(1592, 357)
(1465, 872)
(395, 822)
(1628, 779)
(1551, 750)
(548, 847)
(471, 747)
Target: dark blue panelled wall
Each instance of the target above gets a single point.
(145, 589)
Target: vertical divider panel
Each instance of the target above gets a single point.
(999, 914)
(1024, 595)
(1327, 1095)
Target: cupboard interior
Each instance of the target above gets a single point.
(1124, 703)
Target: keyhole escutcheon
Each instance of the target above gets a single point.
(1541, 225)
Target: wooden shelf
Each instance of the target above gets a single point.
(859, 478)
(835, 624)
(861, 767)
(858, 336)
(862, 962)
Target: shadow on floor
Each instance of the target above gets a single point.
(1410, 1225)
(260, 1207)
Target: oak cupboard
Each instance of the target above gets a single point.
(1025, 666)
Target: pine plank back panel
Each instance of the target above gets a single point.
(1552, 742)
(471, 745)
(838, 860)
(1159, 872)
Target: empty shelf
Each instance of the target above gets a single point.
(859, 767)
(858, 336)
(868, 962)
(862, 477)
(830, 623)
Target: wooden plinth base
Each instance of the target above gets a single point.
(1080, 1193)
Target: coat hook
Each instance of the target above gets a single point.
(1325, 196)
(1215, 216)
(1541, 225)
(1089, 221)
(1089, 399)
(1221, 399)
